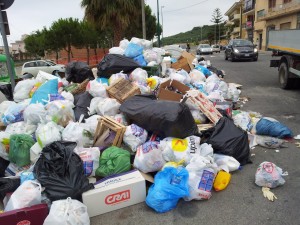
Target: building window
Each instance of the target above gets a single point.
(298, 20)
(286, 1)
(272, 4)
(285, 26)
(260, 13)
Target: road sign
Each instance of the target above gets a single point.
(5, 4)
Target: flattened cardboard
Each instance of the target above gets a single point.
(165, 94)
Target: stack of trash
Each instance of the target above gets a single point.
(70, 140)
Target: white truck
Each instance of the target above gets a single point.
(286, 44)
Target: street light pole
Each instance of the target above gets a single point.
(201, 34)
(158, 34)
(162, 22)
(143, 19)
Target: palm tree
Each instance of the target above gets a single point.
(116, 15)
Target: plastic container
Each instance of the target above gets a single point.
(222, 180)
(166, 63)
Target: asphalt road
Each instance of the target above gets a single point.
(242, 202)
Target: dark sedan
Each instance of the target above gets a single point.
(238, 49)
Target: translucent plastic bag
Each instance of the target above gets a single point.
(139, 75)
(108, 107)
(90, 158)
(243, 120)
(116, 76)
(123, 44)
(148, 157)
(67, 212)
(134, 136)
(226, 163)
(79, 133)
(68, 96)
(269, 142)
(28, 194)
(23, 89)
(150, 55)
(4, 106)
(20, 128)
(175, 149)
(133, 50)
(14, 113)
(60, 112)
(116, 50)
(97, 89)
(93, 109)
(202, 173)
(269, 175)
(48, 133)
(92, 123)
(199, 116)
(169, 186)
(34, 113)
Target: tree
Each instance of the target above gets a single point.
(135, 27)
(210, 37)
(217, 18)
(35, 44)
(116, 15)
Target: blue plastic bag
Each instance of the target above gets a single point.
(26, 176)
(169, 186)
(272, 128)
(140, 60)
(42, 93)
(204, 70)
(13, 114)
(133, 50)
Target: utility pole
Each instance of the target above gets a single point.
(4, 5)
(143, 19)
(201, 34)
(157, 29)
(162, 22)
(215, 33)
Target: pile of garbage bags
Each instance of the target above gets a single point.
(48, 138)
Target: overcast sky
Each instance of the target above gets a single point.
(178, 16)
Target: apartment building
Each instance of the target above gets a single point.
(249, 18)
(275, 15)
(235, 21)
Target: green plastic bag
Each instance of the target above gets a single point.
(113, 160)
(19, 149)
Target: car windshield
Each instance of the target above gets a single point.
(204, 46)
(242, 43)
(51, 63)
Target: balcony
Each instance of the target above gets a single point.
(281, 10)
(235, 17)
(236, 30)
(249, 7)
(228, 24)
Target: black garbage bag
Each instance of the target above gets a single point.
(165, 118)
(7, 91)
(228, 139)
(61, 171)
(114, 63)
(77, 72)
(81, 102)
(3, 165)
(216, 71)
(8, 185)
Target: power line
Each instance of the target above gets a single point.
(186, 7)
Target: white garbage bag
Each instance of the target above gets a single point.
(4, 139)
(175, 149)
(92, 123)
(243, 120)
(123, 44)
(97, 89)
(23, 89)
(197, 76)
(48, 133)
(226, 163)
(34, 113)
(116, 50)
(20, 128)
(139, 75)
(199, 116)
(148, 157)
(134, 136)
(90, 158)
(93, 109)
(150, 56)
(120, 118)
(4, 106)
(202, 172)
(67, 212)
(79, 133)
(116, 76)
(108, 107)
(206, 150)
(68, 96)
(26, 195)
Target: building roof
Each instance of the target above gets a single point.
(233, 7)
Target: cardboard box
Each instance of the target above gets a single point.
(165, 94)
(34, 215)
(115, 192)
(184, 62)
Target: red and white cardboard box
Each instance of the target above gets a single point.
(115, 192)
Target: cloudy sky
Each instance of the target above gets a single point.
(178, 15)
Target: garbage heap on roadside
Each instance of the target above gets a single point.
(91, 142)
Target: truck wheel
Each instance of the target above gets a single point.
(226, 58)
(284, 80)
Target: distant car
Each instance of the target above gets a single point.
(241, 49)
(204, 49)
(216, 48)
(33, 67)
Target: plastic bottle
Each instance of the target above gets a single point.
(222, 180)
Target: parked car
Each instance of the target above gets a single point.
(216, 48)
(33, 67)
(241, 49)
(204, 49)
